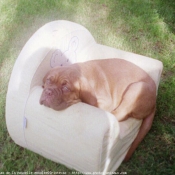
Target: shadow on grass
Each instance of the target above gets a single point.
(166, 10)
(142, 25)
(29, 16)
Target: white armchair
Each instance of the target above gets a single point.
(81, 137)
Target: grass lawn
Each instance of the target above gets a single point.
(144, 27)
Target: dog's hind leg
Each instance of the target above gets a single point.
(144, 129)
(139, 101)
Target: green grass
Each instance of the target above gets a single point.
(145, 27)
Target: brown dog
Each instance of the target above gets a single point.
(114, 85)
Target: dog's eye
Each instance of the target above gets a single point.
(65, 86)
(65, 89)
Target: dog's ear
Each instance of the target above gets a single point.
(87, 94)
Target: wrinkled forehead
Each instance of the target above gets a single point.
(56, 75)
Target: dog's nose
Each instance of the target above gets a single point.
(49, 92)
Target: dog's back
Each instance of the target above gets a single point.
(109, 78)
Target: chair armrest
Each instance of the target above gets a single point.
(74, 136)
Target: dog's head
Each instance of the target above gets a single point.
(60, 88)
(65, 86)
